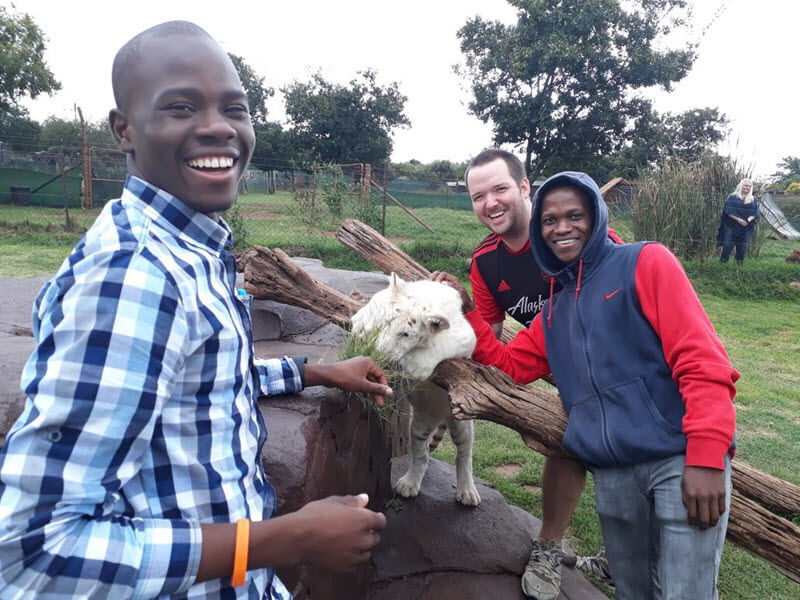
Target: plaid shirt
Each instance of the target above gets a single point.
(141, 420)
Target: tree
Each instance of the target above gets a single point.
(274, 148)
(257, 92)
(20, 132)
(687, 136)
(23, 71)
(788, 173)
(561, 81)
(344, 124)
(693, 132)
(273, 144)
(56, 132)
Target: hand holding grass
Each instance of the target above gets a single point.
(358, 374)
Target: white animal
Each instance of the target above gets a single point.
(417, 325)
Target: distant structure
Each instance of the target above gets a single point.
(777, 220)
(618, 191)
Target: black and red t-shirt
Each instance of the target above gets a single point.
(510, 282)
(507, 282)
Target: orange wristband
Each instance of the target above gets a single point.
(240, 552)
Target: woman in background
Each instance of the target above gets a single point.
(738, 221)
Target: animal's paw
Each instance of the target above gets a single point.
(468, 496)
(407, 487)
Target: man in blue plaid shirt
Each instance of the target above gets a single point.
(139, 446)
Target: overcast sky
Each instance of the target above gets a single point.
(747, 64)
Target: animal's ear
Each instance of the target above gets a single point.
(396, 284)
(437, 323)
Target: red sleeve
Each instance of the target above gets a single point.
(524, 358)
(694, 353)
(487, 306)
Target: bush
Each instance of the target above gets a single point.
(793, 188)
(233, 217)
(332, 197)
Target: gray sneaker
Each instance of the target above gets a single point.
(542, 577)
(595, 565)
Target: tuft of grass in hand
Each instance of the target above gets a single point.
(366, 345)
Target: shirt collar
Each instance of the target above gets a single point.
(172, 214)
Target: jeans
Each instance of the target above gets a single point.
(738, 235)
(652, 551)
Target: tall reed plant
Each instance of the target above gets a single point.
(679, 204)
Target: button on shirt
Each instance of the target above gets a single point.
(141, 419)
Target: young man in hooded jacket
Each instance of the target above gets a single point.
(646, 383)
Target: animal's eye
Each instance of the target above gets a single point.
(405, 334)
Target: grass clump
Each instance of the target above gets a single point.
(354, 344)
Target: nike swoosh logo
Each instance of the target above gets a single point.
(612, 294)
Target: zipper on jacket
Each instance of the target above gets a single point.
(603, 418)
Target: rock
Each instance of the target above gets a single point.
(434, 548)
(323, 443)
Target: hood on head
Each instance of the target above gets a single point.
(599, 235)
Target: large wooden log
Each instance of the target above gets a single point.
(774, 493)
(760, 532)
(271, 274)
(369, 244)
(487, 393)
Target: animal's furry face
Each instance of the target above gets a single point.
(418, 325)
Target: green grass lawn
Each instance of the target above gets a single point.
(754, 309)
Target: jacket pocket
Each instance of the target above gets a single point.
(585, 433)
(636, 428)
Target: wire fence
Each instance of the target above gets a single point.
(53, 178)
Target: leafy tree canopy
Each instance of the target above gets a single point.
(654, 137)
(436, 171)
(257, 92)
(55, 132)
(23, 71)
(561, 81)
(693, 132)
(345, 123)
(274, 148)
(788, 172)
(19, 131)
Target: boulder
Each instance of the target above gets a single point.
(435, 548)
(322, 443)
